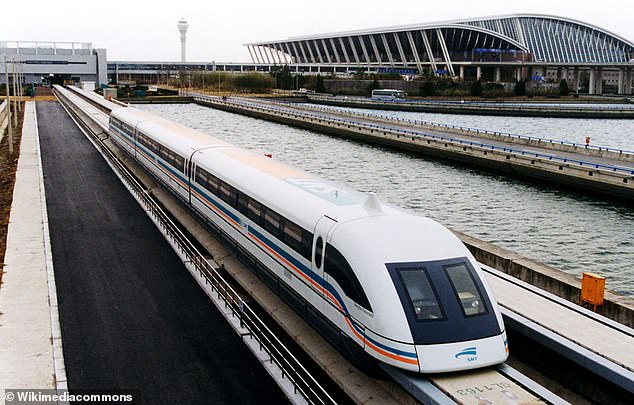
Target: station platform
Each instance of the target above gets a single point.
(30, 341)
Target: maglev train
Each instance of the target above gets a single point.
(378, 282)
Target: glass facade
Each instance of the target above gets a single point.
(545, 38)
(556, 40)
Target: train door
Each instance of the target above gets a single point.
(321, 235)
(135, 138)
(190, 173)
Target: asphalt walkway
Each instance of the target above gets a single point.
(30, 345)
(131, 315)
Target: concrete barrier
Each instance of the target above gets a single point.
(564, 285)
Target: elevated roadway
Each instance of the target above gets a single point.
(588, 341)
(605, 171)
(603, 111)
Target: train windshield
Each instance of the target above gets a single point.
(421, 294)
(465, 288)
(444, 301)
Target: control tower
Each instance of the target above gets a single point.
(182, 27)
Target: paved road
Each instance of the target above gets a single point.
(131, 315)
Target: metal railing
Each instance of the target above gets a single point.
(399, 131)
(463, 128)
(290, 366)
(466, 104)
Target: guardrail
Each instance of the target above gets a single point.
(611, 168)
(290, 366)
(465, 128)
(466, 104)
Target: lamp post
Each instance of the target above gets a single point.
(20, 77)
(15, 96)
(6, 76)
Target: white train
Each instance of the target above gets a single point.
(375, 280)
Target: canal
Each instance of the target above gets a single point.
(563, 229)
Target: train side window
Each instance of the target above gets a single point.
(421, 294)
(242, 202)
(227, 193)
(213, 184)
(338, 267)
(293, 236)
(272, 222)
(466, 290)
(179, 162)
(201, 177)
(307, 244)
(319, 247)
(147, 142)
(254, 211)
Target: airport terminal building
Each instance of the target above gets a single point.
(528, 38)
(500, 49)
(447, 48)
(55, 61)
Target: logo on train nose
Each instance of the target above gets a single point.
(471, 353)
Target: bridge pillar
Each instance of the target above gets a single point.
(497, 74)
(575, 79)
(565, 74)
(462, 72)
(621, 82)
(628, 81)
(599, 81)
(593, 79)
(478, 72)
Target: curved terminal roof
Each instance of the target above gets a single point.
(526, 37)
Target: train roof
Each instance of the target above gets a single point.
(298, 195)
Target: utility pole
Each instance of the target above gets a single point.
(6, 76)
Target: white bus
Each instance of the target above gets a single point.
(388, 94)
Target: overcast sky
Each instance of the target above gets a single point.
(143, 30)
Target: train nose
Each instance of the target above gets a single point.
(458, 356)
